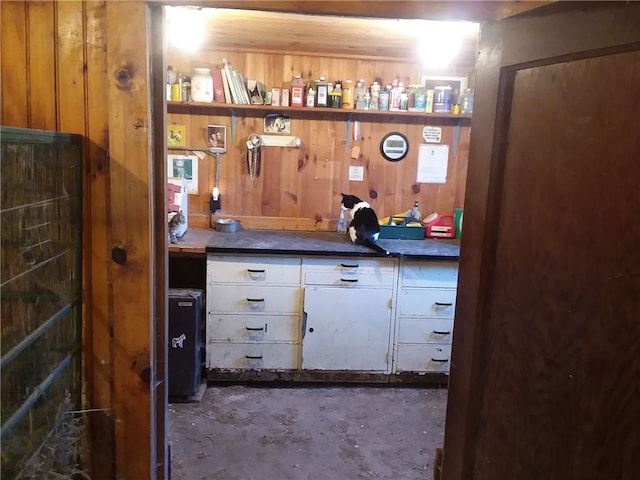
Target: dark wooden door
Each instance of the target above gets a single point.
(545, 377)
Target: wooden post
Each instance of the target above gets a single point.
(132, 240)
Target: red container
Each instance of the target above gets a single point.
(441, 227)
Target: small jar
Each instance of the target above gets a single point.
(202, 85)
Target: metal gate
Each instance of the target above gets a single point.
(41, 302)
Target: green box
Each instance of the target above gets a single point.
(402, 231)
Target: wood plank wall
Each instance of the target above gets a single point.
(300, 188)
(82, 67)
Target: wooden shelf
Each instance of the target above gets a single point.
(257, 110)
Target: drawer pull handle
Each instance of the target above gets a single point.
(255, 299)
(349, 280)
(441, 333)
(441, 304)
(439, 360)
(253, 357)
(251, 270)
(346, 265)
(254, 329)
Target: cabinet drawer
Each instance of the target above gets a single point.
(346, 279)
(425, 330)
(348, 266)
(253, 328)
(252, 356)
(429, 274)
(253, 270)
(423, 358)
(343, 272)
(253, 299)
(427, 302)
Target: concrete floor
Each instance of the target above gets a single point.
(307, 432)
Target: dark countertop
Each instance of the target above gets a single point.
(327, 243)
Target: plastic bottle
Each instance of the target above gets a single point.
(171, 79)
(347, 94)
(297, 92)
(375, 96)
(466, 101)
(341, 225)
(414, 215)
(322, 93)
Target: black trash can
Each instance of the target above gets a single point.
(185, 332)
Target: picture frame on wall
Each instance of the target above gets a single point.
(276, 123)
(184, 167)
(217, 138)
(458, 84)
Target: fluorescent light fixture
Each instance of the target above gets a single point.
(185, 27)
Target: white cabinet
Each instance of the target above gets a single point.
(253, 312)
(347, 318)
(425, 310)
(369, 315)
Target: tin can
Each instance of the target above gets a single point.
(442, 99)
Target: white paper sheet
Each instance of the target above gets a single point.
(432, 163)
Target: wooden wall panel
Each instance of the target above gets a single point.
(42, 65)
(13, 61)
(305, 184)
(54, 76)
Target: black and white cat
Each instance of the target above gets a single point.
(364, 228)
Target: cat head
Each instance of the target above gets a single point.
(349, 201)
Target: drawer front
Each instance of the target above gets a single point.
(423, 358)
(429, 274)
(425, 330)
(348, 278)
(427, 302)
(253, 270)
(254, 356)
(348, 266)
(253, 299)
(253, 328)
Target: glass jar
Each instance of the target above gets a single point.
(202, 85)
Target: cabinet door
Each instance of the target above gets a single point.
(346, 329)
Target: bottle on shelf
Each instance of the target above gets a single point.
(176, 88)
(341, 225)
(414, 215)
(375, 96)
(347, 94)
(335, 96)
(297, 92)
(322, 93)
(466, 101)
(311, 93)
(171, 79)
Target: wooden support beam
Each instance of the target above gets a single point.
(132, 240)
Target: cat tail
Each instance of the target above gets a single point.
(367, 242)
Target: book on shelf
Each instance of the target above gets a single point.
(242, 88)
(218, 86)
(227, 71)
(225, 85)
